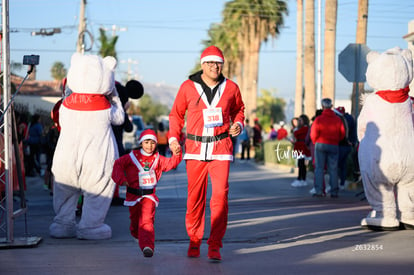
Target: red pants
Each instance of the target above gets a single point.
(116, 191)
(197, 174)
(142, 217)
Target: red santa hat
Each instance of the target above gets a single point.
(341, 109)
(212, 53)
(148, 134)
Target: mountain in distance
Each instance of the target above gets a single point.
(162, 93)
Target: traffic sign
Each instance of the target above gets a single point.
(352, 62)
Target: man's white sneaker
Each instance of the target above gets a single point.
(296, 183)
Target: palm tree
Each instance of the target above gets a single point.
(299, 60)
(223, 37)
(329, 69)
(107, 45)
(253, 21)
(310, 96)
(58, 72)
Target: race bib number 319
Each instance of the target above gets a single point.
(147, 180)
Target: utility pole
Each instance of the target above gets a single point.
(80, 46)
(361, 38)
(129, 71)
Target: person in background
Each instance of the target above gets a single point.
(273, 133)
(162, 139)
(257, 133)
(311, 147)
(245, 140)
(293, 124)
(345, 147)
(301, 149)
(207, 102)
(35, 144)
(140, 171)
(51, 138)
(282, 133)
(326, 132)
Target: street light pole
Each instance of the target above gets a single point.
(80, 46)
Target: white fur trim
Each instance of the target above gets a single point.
(144, 137)
(213, 58)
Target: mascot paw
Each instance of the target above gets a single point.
(61, 231)
(102, 232)
(407, 224)
(380, 224)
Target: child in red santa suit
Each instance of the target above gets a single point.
(140, 171)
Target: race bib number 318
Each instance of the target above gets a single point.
(212, 117)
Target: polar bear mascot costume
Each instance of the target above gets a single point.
(86, 149)
(386, 134)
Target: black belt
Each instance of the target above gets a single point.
(208, 138)
(140, 192)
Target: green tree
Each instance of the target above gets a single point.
(270, 109)
(223, 37)
(254, 21)
(107, 45)
(58, 71)
(150, 110)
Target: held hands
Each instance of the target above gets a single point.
(175, 147)
(235, 129)
(125, 183)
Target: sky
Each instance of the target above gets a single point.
(160, 41)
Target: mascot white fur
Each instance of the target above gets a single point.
(386, 134)
(86, 149)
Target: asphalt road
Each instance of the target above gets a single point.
(273, 228)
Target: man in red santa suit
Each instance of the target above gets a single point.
(215, 112)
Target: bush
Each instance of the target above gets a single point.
(279, 152)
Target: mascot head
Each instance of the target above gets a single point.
(91, 74)
(391, 70)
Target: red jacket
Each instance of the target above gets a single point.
(300, 145)
(192, 99)
(327, 128)
(281, 133)
(125, 170)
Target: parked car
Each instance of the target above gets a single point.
(130, 140)
(139, 123)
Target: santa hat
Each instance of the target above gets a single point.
(341, 110)
(212, 53)
(147, 134)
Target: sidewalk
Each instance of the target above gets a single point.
(272, 229)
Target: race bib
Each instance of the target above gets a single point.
(212, 117)
(147, 179)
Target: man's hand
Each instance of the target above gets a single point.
(175, 147)
(235, 130)
(125, 183)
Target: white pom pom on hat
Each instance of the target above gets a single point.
(147, 134)
(212, 53)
